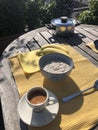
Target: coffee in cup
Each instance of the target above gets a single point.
(37, 98)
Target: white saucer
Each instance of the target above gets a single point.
(38, 119)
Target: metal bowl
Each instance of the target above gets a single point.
(56, 58)
(64, 26)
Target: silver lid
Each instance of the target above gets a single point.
(63, 21)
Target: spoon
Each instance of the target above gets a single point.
(68, 98)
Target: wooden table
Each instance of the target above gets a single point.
(31, 41)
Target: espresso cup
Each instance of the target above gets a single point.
(37, 98)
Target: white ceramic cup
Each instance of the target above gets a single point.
(37, 98)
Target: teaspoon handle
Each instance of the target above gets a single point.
(68, 98)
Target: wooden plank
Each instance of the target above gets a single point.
(88, 50)
(86, 55)
(91, 31)
(86, 34)
(82, 52)
(40, 39)
(82, 37)
(15, 47)
(32, 45)
(49, 37)
(81, 45)
(9, 101)
(95, 27)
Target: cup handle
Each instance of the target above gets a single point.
(51, 101)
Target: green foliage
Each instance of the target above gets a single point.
(47, 12)
(93, 6)
(16, 14)
(32, 13)
(38, 13)
(64, 7)
(90, 16)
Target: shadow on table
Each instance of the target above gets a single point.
(1, 118)
(23, 126)
(62, 89)
(52, 125)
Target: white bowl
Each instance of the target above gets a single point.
(55, 57)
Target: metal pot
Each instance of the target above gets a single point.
(63, 26)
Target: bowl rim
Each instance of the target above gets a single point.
(59, 54)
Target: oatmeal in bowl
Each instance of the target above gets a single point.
(55, 66)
